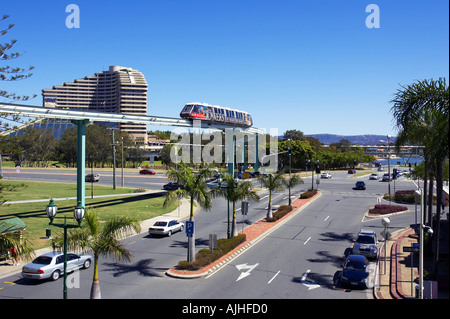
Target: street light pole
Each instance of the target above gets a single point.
(385, 221)
(51, 210)
(389, 168)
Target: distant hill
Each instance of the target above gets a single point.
(368, 139)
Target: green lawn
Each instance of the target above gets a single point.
(34, 216)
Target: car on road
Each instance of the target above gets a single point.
(355, 271)
(165, 227)
(360, 185)
(51, 265)
(366, 244)
(325, 175)
(351, 171)
(92, 178)
(374, 176)
(386, 177)
(171, 186)
(146, 172)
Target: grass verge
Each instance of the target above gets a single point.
(142, 207)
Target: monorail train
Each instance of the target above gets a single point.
(216, 114)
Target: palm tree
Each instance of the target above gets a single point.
(235, 192)
(192, 186)
(290, 182)
(103, 239)
(10, 240)
(272, 182)
(426, 104)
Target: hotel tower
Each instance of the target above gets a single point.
(119, 90)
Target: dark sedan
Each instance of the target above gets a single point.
(356, 271)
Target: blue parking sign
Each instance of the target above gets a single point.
(189, 228)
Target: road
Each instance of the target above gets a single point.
(300, 260)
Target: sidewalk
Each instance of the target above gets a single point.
(396, 283)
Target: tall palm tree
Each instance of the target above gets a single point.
(103, 239)
(234, 192)
(427, 103)
(291, 182)
(193, 187)
(272, 182)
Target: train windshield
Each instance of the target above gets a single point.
(187, 108)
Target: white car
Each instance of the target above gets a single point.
(374, 176)
(166, 227)
(51, 265)
(325, 175)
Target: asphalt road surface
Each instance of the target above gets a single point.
(300, 260)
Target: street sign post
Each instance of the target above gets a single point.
(189, 228)
(244, 208)
(407, 249)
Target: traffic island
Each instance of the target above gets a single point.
(252, 234)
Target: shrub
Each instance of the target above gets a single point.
(308, 194)
(206, 256)
(387, 209)
(280, 213)
(406, 196)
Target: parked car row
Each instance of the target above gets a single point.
(355, 272)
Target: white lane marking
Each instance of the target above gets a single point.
(274, 277)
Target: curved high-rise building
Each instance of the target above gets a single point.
(118, 90)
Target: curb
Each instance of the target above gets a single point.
(230, 256)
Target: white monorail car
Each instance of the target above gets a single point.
(216, 114)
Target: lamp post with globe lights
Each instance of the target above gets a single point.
(78, 213)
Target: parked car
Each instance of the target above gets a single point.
(366, 244)
(360, 185)
(325, 175)
(374, 176)
(146, 172)
(166, 227)
(356, 271)
(51, 265)
(92, 178)
(171, 186)
(386, 178)
(351, 171)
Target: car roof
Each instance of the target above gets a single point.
(366, 232)
(165, 220)
(360, 258)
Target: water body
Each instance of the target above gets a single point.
(402, 161)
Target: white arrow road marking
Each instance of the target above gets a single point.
(308, 284)
(246, 273)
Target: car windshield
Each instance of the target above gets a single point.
(355, 265)
(365, 239)
(160, 224)
(43, 260)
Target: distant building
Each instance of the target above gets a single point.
(119, 90)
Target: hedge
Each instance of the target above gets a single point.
(386, 209)
(308, 194)
(281, 211)
(206, 256)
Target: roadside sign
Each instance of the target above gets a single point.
(189, 228)
(212, 241)
(407, 249)
(244, 208)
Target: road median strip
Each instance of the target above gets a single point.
(254, 234)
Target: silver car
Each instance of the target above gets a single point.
(51, 265)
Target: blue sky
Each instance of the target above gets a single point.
(310, 65)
